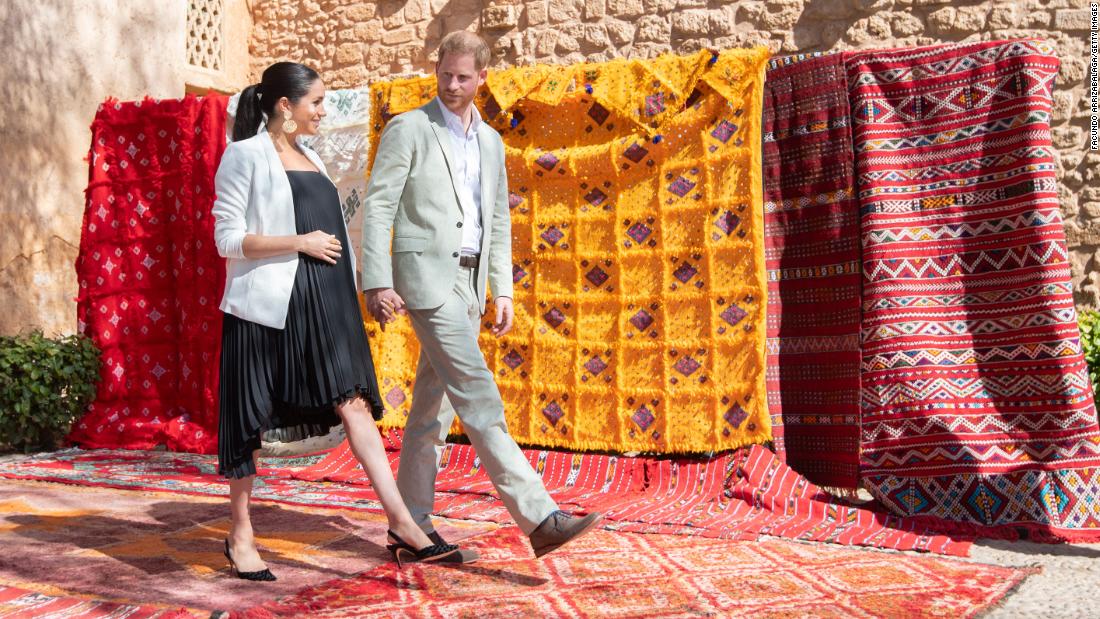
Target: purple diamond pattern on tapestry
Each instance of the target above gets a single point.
(686, 366)
(552, 235)
(642, 320)
(547, 161)
(635, 152)
(727, 222)
(555, 317)
(596, 275)
(395, 397)
(517, 273)
(595, 365)
(553, 413)
(598, 113)
(514, 199)
(735, 416)
(513, 359)
(733, 315)
(724, 131)
(595, 197)
(639, 232)
(684, 272)
(681, 186)
(643, 417)
(655, 104)
(492, 108)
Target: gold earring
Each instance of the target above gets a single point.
(289, 126)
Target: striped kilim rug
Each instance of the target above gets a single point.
(812, 252)
(738, 495)
(976, 404)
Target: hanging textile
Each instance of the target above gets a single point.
(976, 404)
(812, 251)
(150, 277)
(637, 245)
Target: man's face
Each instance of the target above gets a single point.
(458, 79)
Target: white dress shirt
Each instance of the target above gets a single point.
(467, 174)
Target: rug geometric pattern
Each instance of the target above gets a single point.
(733, 496)
(976, 404)
(609, 574)
(636, 234)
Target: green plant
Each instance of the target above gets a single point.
(45, 384)
(1089, 321)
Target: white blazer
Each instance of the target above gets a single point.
(253, 197)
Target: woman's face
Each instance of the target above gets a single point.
(310, 109)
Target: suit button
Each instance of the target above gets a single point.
(459, 224)
(454, 255)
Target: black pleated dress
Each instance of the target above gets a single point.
(292, 377)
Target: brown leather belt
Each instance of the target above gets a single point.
(469, 260)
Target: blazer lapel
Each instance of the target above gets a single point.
(280, 185)
(443, 137)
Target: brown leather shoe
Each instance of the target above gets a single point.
(559, 528)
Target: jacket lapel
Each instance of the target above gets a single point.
(280, 185)
(443, 137)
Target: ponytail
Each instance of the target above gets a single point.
(282, 79)
(249, 113)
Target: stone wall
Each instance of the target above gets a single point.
(352, 42)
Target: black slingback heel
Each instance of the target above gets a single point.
(403, 552)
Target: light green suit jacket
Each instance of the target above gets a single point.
(412, 192)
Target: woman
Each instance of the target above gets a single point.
(294, 352)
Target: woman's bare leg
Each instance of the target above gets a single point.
(366, 444)
(242, 544)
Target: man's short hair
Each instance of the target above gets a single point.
(463, 42)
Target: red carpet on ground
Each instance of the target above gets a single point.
(739, 495)
(94, 553)
(629, 575)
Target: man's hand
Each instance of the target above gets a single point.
(505, 316)
(384, 304)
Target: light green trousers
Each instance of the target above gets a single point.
(452, 364)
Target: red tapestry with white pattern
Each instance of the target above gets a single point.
(150, 277)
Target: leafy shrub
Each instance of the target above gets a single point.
(45, 384)
(1089, 321)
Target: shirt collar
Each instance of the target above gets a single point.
(454, 123)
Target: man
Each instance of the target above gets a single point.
(439, 183)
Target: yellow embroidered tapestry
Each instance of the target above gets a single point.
(635, 195)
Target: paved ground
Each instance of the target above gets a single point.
(1066, 588)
